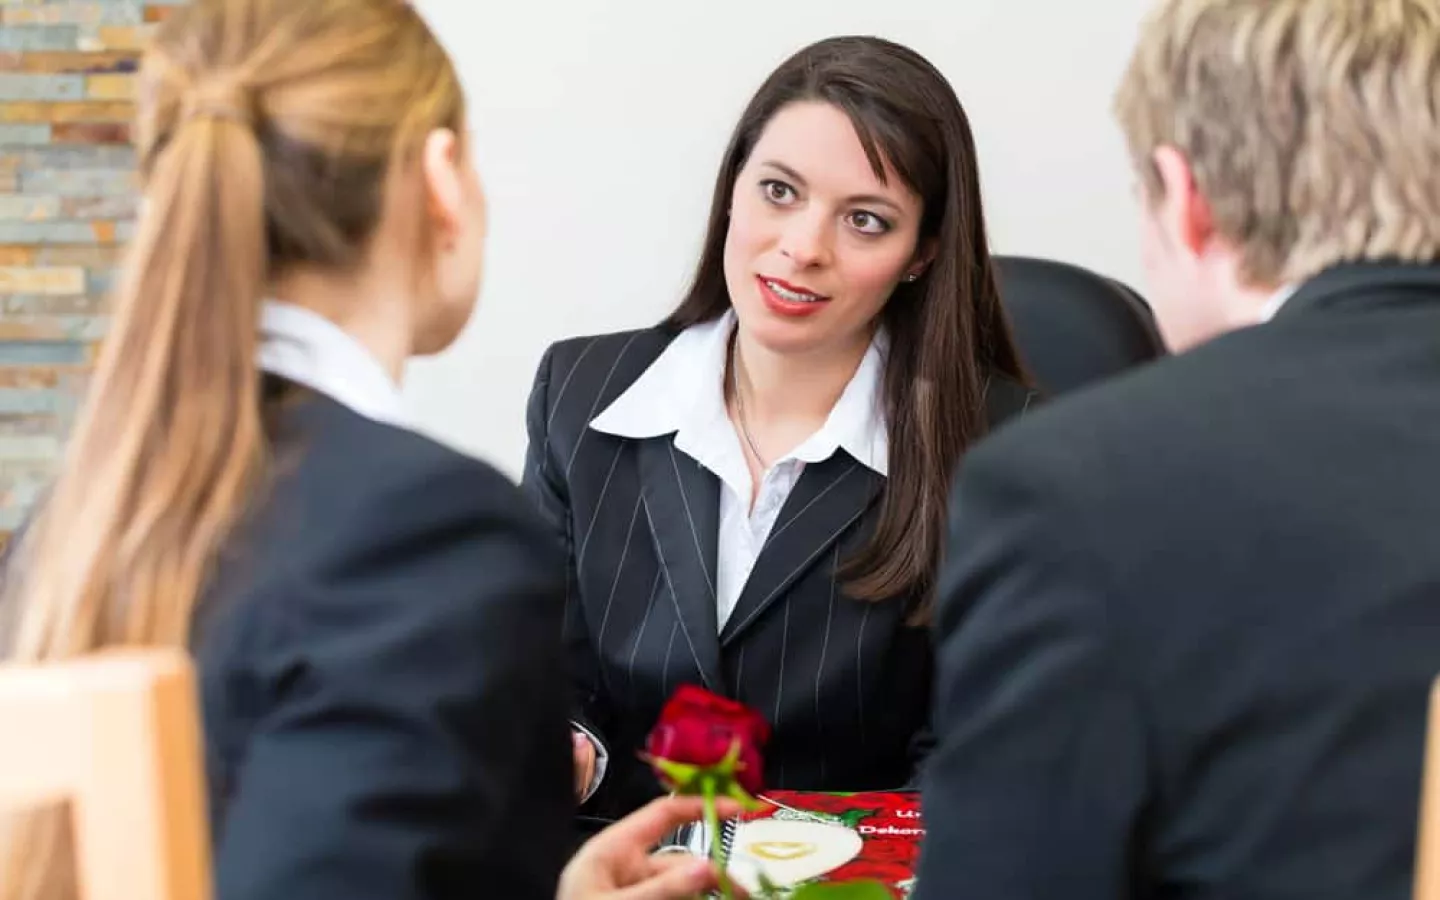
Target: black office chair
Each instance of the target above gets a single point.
(1074, 326)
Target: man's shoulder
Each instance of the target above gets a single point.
(1162, 414)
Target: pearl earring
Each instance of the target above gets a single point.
(911, 277)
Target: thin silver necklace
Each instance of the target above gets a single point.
(740, 401)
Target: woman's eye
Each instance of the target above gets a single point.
(868, 222)
(777, 191)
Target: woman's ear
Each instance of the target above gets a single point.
(924, 256)
(440, 164)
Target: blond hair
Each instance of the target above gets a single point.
(266, 131)
(1311, 125)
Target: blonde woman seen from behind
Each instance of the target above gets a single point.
(375, 618)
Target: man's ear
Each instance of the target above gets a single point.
(1185, 213)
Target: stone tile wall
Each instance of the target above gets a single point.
(67, 205)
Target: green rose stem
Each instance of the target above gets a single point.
(710, 782)
(712, 821)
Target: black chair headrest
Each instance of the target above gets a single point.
(1074, 326)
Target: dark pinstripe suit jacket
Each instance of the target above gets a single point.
(845, 684)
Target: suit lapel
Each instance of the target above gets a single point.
(827, 499)
(682, 505)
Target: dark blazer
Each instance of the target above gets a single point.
(1191, 619)
(845, 684)
(384, 701)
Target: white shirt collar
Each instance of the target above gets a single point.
(1277, 300)
(305, 347)
(682, 392)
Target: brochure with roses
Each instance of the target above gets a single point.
(802, 838)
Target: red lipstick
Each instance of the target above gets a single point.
(789, 305)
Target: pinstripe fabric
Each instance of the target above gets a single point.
(846, 683)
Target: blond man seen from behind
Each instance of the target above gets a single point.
(1189, 620)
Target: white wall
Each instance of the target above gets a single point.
(599, 125)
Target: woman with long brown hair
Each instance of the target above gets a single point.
(374, 617)
(753, 492)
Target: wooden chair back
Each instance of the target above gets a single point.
(117, 738)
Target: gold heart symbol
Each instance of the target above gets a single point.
(781, 850)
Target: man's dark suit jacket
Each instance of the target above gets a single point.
(384, 696)
(845, 684)
(1191, 619)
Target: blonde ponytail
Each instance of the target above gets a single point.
(170, 441)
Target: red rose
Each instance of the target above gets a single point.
(699, 728)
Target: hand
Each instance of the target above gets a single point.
(584, 763)
(617, 864)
